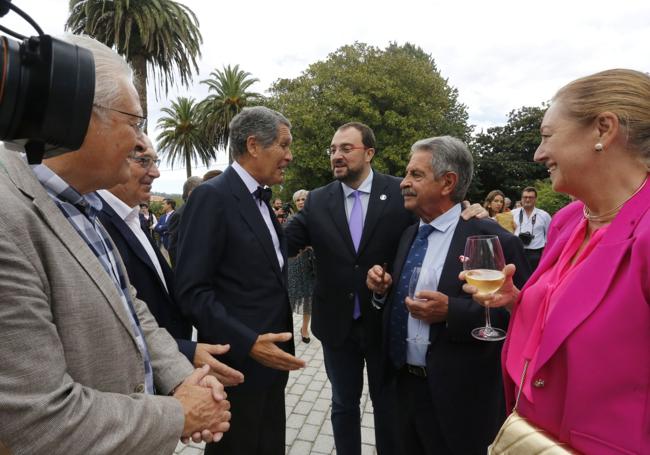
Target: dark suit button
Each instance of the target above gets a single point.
(351, 295)
(356, 266)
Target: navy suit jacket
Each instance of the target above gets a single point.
(228, 278)
(464, 374)
(172, 233)
(145, 279)
(162, 228)
(340, 270)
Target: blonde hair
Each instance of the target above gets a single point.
(298, 194)
(623, 92)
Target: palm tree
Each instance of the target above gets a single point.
(160, 35)
(181, 138)
(231, 95)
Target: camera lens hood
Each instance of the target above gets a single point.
(47, 88)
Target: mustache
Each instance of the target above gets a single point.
(408, 192)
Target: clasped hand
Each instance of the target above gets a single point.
(205, 407)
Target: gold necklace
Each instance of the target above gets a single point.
(609, 215)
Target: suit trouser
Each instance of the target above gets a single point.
(533, 257)
(344, 366)
(418, 430)
(258, 422)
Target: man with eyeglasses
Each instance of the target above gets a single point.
(531, 226)
(147, 269)
(85, 367)
(352, 224)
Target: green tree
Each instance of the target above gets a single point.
(398, 92)
(181, 138)
(503, 156)
(229, 94)
(547, 199)
(158, 35)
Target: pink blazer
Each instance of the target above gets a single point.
(591, 384)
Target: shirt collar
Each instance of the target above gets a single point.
(59, 188)
(365, 186)
(446, 220)
(123, 210)
(249, 180)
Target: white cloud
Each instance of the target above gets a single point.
(500, 55)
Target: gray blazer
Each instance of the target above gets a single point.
(71, 374)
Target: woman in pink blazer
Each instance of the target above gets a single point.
(582, 322)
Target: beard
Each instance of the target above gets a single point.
(350, 176)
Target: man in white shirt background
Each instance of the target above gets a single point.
(531, 226)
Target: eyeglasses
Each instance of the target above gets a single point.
(140, 124)
(146, 161)
(343, 148)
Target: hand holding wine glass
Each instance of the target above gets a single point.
(506, 296)
(483, 263)
(422, 279)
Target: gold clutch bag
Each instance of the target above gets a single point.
(518, 437)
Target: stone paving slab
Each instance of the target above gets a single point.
(308, 406)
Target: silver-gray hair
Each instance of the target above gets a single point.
(189, 186)
(259, 121)
(111, 70)
(449, 154)
(300, 193)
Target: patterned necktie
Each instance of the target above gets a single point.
(356, 228)
(399, 313)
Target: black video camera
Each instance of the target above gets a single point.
(526, 238)
(47, 89)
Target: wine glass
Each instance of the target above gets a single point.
(422, 279)
(483, 264)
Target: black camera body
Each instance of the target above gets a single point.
(47, 88)
(526, 238)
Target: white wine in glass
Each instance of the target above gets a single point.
(485, 280)
(483, 263)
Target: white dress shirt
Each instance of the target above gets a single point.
(131, 216)
(437, 248)
(539, 229)
(252, 185)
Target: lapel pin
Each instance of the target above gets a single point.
(383, 197)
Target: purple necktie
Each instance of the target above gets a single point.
(356, 228)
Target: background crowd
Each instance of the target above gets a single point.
(103, 324)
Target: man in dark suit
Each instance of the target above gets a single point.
(175, 218)
(343, 318)
(147, 269)
(231, 278)
(449, 386)
(162, 226)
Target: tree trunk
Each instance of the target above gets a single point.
(139, 65)
(188, 163)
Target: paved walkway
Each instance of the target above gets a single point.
(308, 402)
